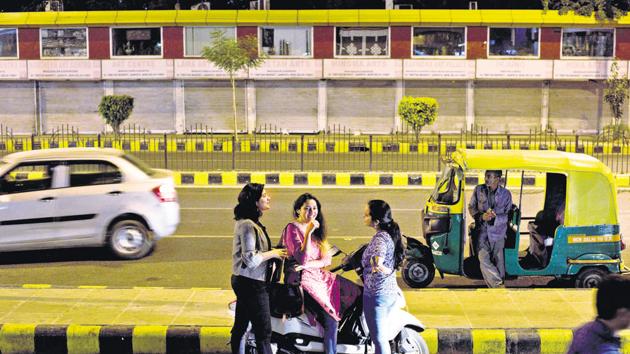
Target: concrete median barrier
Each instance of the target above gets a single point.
(84, 339)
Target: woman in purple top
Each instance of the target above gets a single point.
(380, 260)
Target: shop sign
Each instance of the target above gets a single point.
(586, 69)
(201, 69)
(64, 69)
(140, 69)
(389, 69)
(515, 69)
(13, 70)
(424, 69)
(277, 69)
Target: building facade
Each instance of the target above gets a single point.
(504, 70)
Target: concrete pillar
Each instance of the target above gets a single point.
(39, 117)
(400, 92)
(322, 106)
(108, 87)
(250, 92)
(180, 106)
(108, 90)
(544, 106)
(470, 104)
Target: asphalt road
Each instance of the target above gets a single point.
(199, 254)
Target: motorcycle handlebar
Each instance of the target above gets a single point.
(336, 268)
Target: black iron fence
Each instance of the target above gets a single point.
(337, 149)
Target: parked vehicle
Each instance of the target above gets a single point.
(583, 248)
(297, 335)
(77, 197)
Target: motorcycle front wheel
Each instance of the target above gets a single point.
(409, 341)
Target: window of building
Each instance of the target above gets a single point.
(286, 41)
(64, 42)
(362, 41)
(439, 41)
(588, 42)
(136, 41)
(514, 42)
(196, 38)
(8, 43)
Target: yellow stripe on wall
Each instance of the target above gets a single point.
(149, 339)
(17, 338)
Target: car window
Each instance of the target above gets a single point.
(90, 173)
(139, 164)
(27, 177)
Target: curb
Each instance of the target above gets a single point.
(293, 144)
(388, 179)
(340, 179)
(30, 338)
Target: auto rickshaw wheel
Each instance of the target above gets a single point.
(590, 277)
(417, 273)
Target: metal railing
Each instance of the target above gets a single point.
(337, 149)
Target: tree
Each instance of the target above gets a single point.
(604, 10)
(418, 112)
(615, 94)
(232, 55)
(115, 109)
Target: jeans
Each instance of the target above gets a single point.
(328, 322)
(252, 305)
(377, 309)
(330, 334)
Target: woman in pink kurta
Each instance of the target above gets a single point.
(305, 239)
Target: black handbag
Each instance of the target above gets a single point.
(286, 300)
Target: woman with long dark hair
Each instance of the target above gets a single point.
(381, 259)
(305, 238)
(251, 249)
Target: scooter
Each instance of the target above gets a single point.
(297, 335)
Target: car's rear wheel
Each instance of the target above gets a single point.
(130, 239)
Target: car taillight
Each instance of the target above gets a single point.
(165, 193)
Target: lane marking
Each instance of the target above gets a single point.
(232, 208)
(349, 238)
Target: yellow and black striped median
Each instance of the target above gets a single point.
(346, 179)
(60, 339)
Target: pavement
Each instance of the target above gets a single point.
(92, 319)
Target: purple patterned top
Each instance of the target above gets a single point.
(379, 283)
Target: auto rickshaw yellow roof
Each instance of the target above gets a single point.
(531, 160)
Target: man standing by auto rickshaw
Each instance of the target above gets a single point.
(489, 206)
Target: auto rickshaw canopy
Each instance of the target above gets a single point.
(591, 192)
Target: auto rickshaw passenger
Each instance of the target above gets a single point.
(541, 233)
(489, 206)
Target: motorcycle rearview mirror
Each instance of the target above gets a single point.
(335, 251)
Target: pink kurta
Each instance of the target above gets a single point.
(322, 285)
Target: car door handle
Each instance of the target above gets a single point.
(115, 193)
(47, 199)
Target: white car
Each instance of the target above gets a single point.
(79, 197)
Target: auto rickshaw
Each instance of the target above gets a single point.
(583, 249)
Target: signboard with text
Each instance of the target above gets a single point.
(515, 69)
(388, 69)
(586, 69)
(421, 69)
(64, 69)
(201, 69)
(280, 69)
(138, 69)
(13, 70)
